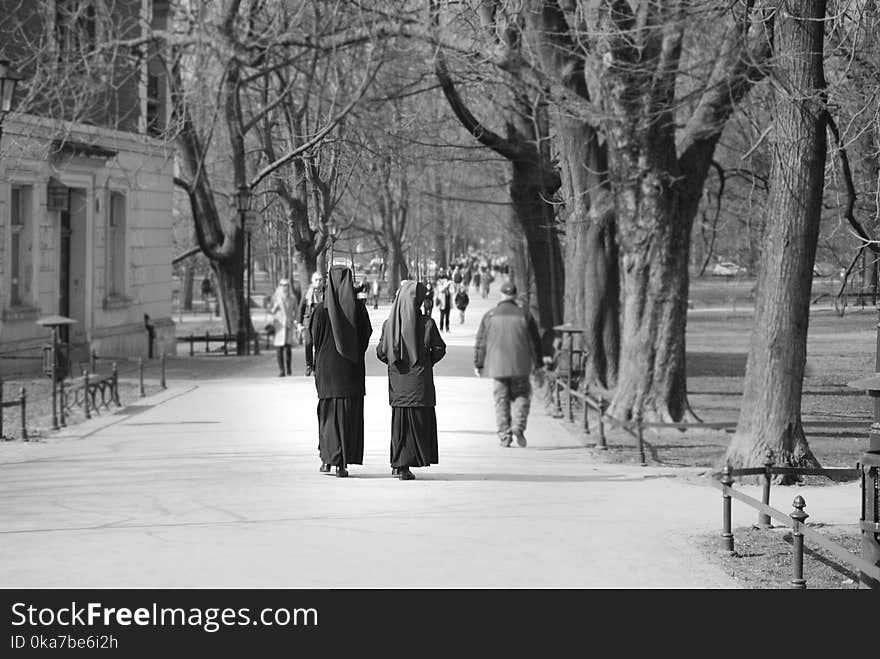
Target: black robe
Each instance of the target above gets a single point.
(412, 397)
(341, 389)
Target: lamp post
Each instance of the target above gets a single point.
(243, 203)
(8, 80)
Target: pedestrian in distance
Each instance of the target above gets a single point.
(411, 344)
(375, 290)
(508, 349)
(428, 304)
(461, 301)
(314, 295)
(207, 291)
(340, 328)
(486, 279)
(443, 299)
(284, 307)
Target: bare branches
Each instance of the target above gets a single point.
(867, 241)
(322, 133)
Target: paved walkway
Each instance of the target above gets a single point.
(215, 483)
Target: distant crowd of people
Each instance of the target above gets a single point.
(335, 328)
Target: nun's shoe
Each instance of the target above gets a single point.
(406, 475)
(520, 437)
(325, 468)
(341, 472)
(395, 471)
(505, 441)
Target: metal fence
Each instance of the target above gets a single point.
(724, 480)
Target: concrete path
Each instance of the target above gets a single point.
(216, 484)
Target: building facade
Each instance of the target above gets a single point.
(86, 200)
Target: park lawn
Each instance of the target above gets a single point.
(836, 418)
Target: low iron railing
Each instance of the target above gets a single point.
(724, 480)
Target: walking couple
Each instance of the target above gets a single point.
(410, 344)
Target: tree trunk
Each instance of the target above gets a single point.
(592, 275)
(770, 416)
(439, 226)
(534, 214)
(307, 265)
(655, 283)
(397, 270)
(186, 293)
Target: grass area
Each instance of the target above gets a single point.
(836, 418)
(762, 558)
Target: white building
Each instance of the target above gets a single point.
(85, 228)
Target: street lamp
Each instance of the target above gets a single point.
(243, 204)
(8, 80)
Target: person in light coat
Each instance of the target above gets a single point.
(283, 309)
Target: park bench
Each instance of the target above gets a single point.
(84, 392)
(223, 339)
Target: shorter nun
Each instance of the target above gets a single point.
(340, 328)
(411, 344)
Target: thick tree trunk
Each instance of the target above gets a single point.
(654, 243)
(397, 270)
(770, 416)
(592, 275)
(306, 266)
(534, 214)
(226, 278)
(186, 292)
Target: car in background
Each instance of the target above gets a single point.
(728, 269)
(826, 270)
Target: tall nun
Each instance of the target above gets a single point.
(411, 344)
(340, 327)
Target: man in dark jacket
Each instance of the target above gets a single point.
(508, 348)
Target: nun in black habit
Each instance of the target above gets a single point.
(411, 344)
(340, 328)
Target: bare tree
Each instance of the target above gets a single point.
(535, 179)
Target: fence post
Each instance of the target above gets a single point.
(764, 518)
(141, 375)
(256, 343)
(86, 394)
(602, 445)
(797, 560)
(726, 533)
(586, 413)
(225, 344)
(557, 385)
(54, 400)
(93, 358)
(640, 432)
(191, 345)
(61, 399)
(162, 370)
(116, 385)
(207, 343)
(24, 435)
(570, 372)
